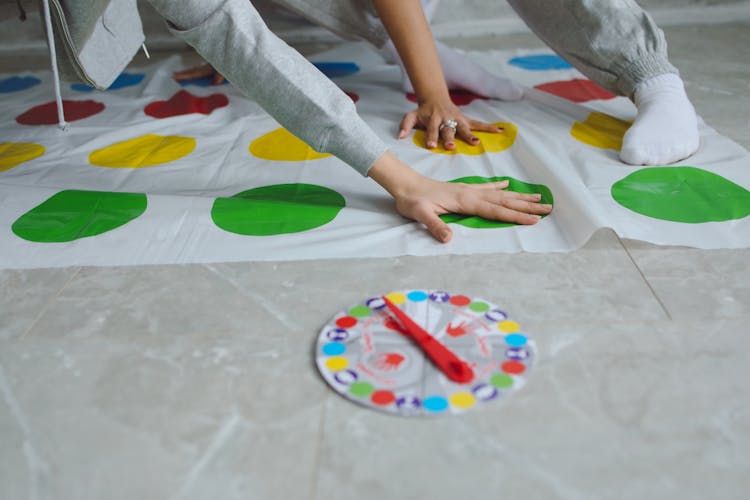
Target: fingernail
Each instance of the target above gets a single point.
(431, 145)
(401, 134)
(450, 144)
(444, 234)
(545, 205)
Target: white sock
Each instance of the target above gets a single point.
(461, 73)
(665, 129)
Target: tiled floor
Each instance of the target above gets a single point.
(198, 381)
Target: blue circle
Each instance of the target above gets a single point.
(124, 80)
(515, 340)
(337, 69)
(435, 404)
(18, 83)
(540, 62)
(206, 81)
(416, 296)
(334, 349)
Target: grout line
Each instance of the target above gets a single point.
(318, 448)
(648, 283)
(46, 306)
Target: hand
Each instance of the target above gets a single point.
(424, 200)
(202, 71)
(430, 115)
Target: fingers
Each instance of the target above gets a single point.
(435, 225)
(218, 78)
(484, 127)
(432, 133)
(407, 124)
(448, 135)
(464, 132)
(196, 72)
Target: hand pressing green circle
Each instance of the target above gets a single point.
(682, 194)
(277, 209)
(477, 222)
(72, 214)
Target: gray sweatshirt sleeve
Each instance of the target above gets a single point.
(231, 35)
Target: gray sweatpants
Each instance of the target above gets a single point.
(614, 42)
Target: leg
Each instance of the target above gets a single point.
(618, 45)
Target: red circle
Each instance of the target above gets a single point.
(183, 103)
(460, 300)
(576, 90)
(513, 367)
(383, 398)
(46, 114)
(346, 322)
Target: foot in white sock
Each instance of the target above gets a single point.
(665, 129)
(461, 73)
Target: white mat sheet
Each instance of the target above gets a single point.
(177, 225)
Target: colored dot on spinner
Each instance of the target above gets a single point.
(479, 307)
(435, 404)
(346, 322)
(346, 377)
(513, 367)
(383, 397)
(460, 300)
(360, 311)
(361, 389)
(417, 296)
(396, 298)
(501, 380)
(485, 392)
(516, 340)
(463, 400)
(334, 349)
(508, 326)
(337, 363)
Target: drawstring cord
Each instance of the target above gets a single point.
(53, 58)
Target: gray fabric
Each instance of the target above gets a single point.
(350, 19)
(231, 35)
(95, 40)
(615, 43)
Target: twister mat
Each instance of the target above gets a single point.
(424, 352)
(152, 172)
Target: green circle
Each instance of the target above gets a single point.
(361, 389)
(359, 311)
(477, 222)
(72, 214)
(479, 306)
(501, 380)
(277, 209)
(682, 194)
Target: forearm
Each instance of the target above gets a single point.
(234, 39)
(410, 32)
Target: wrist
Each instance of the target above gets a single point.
(393, 175)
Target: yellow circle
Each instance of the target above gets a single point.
(337, 363)
(13, 154)
(462, 400)
(489, 142)
(282, 145)
(508, 326)
(145, 151)
(601, 131)
(396, 297)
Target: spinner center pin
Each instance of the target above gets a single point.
(423, 352)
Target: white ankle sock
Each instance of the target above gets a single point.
(461, 73)
(665, 129)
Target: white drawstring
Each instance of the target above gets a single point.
(55, 73)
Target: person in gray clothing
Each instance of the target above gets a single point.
(231, 36)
